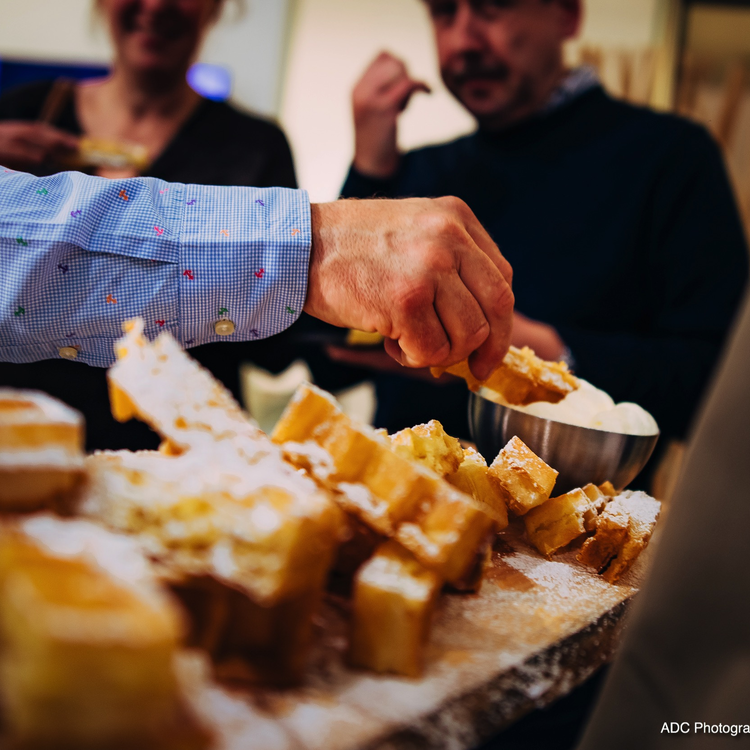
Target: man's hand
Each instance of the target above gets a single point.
(380, 96)
(25, 145)
(542, 338)
(422, 272)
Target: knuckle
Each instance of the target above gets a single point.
(410, 299)
(509, 275)
(439, 223)
(430, 355)
(504, 302)
(452, 203)
(478, 337)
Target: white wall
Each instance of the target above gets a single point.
(332, 41)
(252, 46)
(620, 23)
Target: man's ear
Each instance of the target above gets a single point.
(571, 17)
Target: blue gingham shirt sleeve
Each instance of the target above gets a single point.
(79, 255)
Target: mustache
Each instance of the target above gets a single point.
(471, 71)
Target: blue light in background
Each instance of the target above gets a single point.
(212, 81)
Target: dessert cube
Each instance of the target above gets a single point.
(394, 597)
(524, 478)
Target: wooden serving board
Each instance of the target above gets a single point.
(537, 629)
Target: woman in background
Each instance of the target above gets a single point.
(146, 100)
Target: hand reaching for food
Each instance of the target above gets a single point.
(423, 273)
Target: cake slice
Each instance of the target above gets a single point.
(623, 531)
(429, 445)
(472, 477)
(559, 521)
(523, 477)
(160, 384)
(394, 598)
(522, 378)
(89, 640)
(374, 483)
(247, 548)
(41, 451)
(251, 525)
(394, 495)
(449, 535)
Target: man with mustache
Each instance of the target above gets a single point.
(628, 251)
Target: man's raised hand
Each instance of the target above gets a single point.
(378, 98)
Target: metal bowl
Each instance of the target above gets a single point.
(580, 454)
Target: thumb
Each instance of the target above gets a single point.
(404, 91)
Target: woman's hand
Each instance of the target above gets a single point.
(25, 145)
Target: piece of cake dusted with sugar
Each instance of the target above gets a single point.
(393, 601)
(526, 480)
(622, 532)
(430, 445)
(394, 495)
(158, 383)
(270, 532)
(243, 537)
(560, 520)
(41, 451)
(377, 484)
(522, 378)
(89, 640)
(473, 478)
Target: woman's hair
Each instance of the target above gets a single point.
(240, 7)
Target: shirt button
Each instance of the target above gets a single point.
(224, 327)
(68, 352)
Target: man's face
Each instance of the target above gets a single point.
(498, 57)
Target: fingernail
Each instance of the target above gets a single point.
(480, 371)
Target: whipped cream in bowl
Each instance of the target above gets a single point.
(590, 407)
(586, 436)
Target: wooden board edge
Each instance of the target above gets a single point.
(472, 718)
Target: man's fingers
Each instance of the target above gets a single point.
(385, 72)
(461, 317)
(416, 87)
(481, 237)
(493, 294)
(393, 350)
(488, 357)
(400, 93)
(423, 341)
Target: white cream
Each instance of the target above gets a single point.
(591, 407)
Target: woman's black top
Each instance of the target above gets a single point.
(217, 145)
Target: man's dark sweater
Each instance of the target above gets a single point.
(623, 234)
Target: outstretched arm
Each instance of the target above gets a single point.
(83, 254)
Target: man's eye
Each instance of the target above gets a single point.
(442, 9)
(491, 7)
